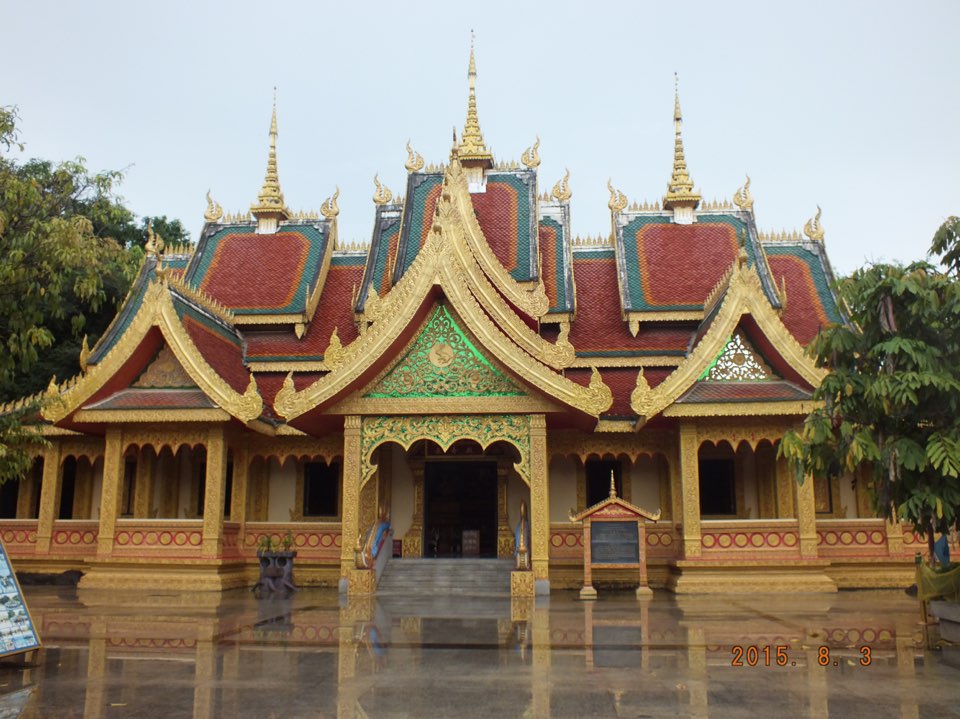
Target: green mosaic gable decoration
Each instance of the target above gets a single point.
(738, 361)
(443, 362)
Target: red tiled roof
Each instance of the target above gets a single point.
(497, 214)
(221, 353)
(769, 391)
(599, 325)
(680, 264)
(804, 314)
(334, 310)
(258, 272)
(155, 399)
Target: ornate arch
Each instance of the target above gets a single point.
(444, 430)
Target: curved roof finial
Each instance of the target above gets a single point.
(472, 146)
(680, 188)
(270, 200)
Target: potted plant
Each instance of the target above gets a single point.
(276, 565)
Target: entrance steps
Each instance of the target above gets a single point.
(446, 577)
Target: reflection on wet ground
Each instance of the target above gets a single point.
(129, 654)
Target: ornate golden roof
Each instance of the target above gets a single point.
(270, 200)
(680, 188)
(472, 147)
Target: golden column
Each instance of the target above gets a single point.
(413, 539)
(49, 496)
(111, 494)
(807, 518)
(504, 533)
(690, 490)
(214, 491)
(143, 484)
(238, 496)
(539, 504)
(351, 496)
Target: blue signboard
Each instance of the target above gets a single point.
(17, 633)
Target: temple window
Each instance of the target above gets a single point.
(9, 491)
(68, 485)
(321, 489)
(598, 479)
(717, 488)
(228, 491)
(129, 486)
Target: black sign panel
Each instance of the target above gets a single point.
(614, 542)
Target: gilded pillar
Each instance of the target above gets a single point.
(93, 699)
(785, 491)
(111, 494)
(351, 495)
(214, 491)
(413, 539)
(504, 534)
(143, 484)
(539, 504)
(894, 537)
(238, 497)
(690, 490)
(368, 500)
(807, 518)
(49, 496)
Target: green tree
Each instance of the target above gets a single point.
(891, 397)
(69, 249)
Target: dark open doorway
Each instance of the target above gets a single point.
(460, 509)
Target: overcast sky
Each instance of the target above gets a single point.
(850, 105)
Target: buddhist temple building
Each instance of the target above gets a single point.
(277, 382)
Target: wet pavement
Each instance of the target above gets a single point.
(130, 654)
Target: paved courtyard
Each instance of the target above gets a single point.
(130, 654)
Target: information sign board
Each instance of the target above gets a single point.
(615, 543)
(17, 633)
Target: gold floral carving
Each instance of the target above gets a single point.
(350, 512)
(156, 310)
(164, 371)
(521, 584)
(744, 295)
(753, 432)
(84, 354)
(539, 498)
(333, 354)
(531, 157)
(438, 263)
(445, 430)
(690, 490)
(214, 211)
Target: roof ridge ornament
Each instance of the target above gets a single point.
(329, 207)
(813, 229)
(214, 211)
(618, 200)
(414, 161)
(472, 147)
(680, 193)
(530, 157)
(383, 195)
(742, 197)
(270, 208)
(561, 191)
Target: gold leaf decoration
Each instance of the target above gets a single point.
(742, 197)
(383, 195)
(213, 212)
(813, 229)
(617, 199)
(561, 191)
(530, 156)
(414, 161)
(329, 208)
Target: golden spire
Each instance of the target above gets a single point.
(472, 147)
(270, 200)
(680, 188)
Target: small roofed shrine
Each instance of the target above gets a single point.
(277, 382)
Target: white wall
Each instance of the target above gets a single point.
(848, 496)
(645, 483)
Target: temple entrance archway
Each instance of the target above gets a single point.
(460, 508)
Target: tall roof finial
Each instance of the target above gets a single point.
(680, 188)
(472, 147)
(270, 202)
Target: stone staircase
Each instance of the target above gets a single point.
(446, 577)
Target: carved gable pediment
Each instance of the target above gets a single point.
(443, 362)
(164, 371)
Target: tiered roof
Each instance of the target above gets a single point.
(271, 322)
